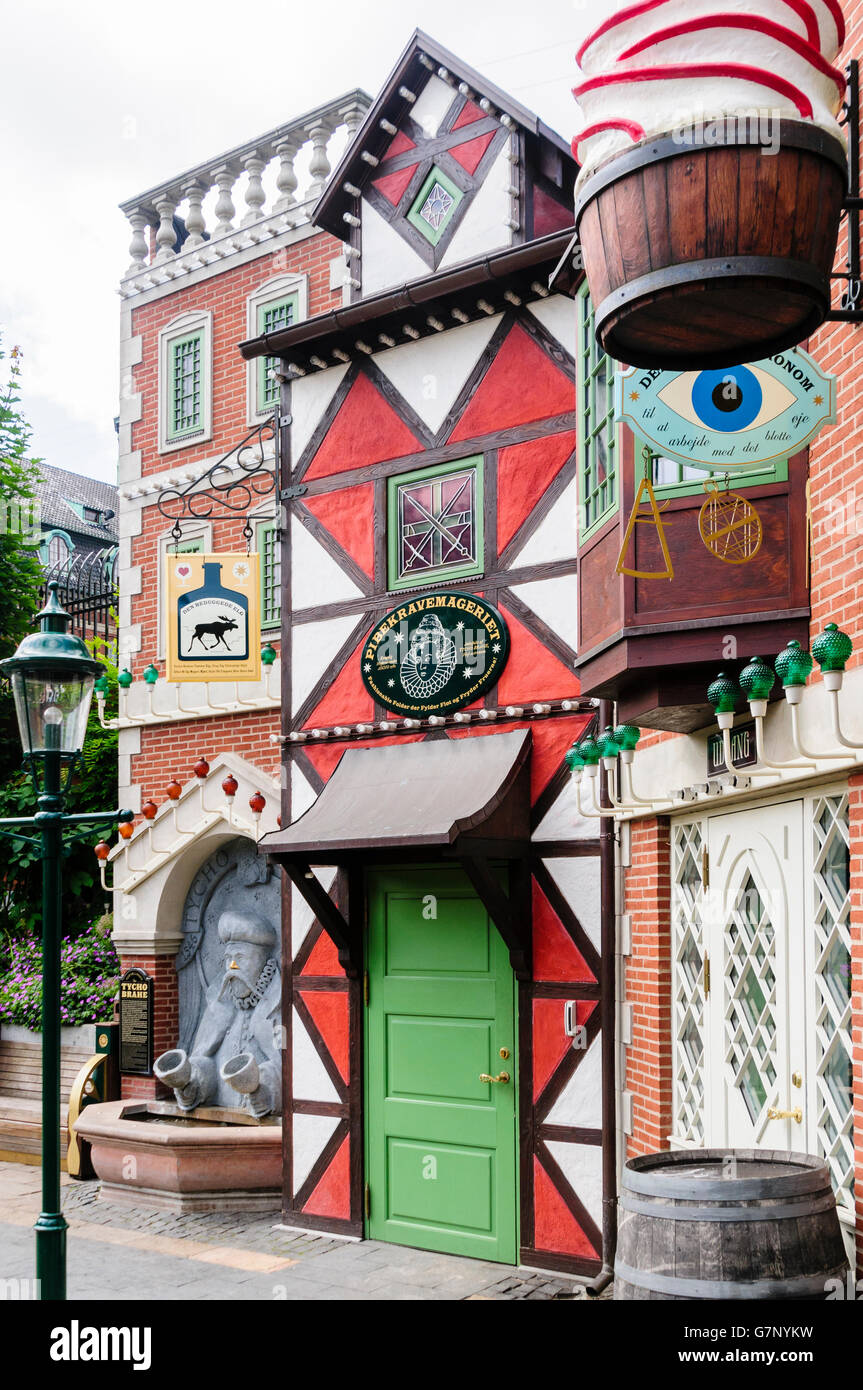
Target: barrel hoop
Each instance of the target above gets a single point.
(811, 1286)
(663, 1183)
(792, 135)
(733, 1213)
(716, 268)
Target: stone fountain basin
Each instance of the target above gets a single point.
(151, 1153)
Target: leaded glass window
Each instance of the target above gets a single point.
(831, 922)
(185, 413)
(434, 206)
(597, 443)
(687, 929)
(435, 524)
(750, 983)
(271, 317)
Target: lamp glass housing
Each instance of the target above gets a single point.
(52, 707)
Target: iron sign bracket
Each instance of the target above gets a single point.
(229, 487)
(851, 310)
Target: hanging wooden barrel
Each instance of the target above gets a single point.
(710, 255)
(727, 1224)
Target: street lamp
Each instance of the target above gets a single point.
(52, 675)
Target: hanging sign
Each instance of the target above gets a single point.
(743, 749)
(435, 653)
(213, 617)
(733, 417)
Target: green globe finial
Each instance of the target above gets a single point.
(722, 694)
(150, 674)
(608, 745)
(590, 751)
(101, 686)
(793, 665)
(573, 758)
(124, 680)
(757, 679)
(627, 736)
(268, 654)
(832, 648)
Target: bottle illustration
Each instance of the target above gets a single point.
(212, 620)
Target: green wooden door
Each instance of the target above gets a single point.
(440, 1143)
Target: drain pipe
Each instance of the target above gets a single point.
(607, 1020)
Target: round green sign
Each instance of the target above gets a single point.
(435, 653)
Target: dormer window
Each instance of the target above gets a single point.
(435, 206)
(92, 514)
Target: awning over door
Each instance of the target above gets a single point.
(465, 798)
(408, 794)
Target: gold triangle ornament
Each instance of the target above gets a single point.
(651, 518)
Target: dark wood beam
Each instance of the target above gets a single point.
(514, 929)
(347, 938)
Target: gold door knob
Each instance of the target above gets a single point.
(503, 1077)
(795, 1115)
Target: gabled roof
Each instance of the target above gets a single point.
(422, 55)
(58, 487)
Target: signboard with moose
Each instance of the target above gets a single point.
(213, 625)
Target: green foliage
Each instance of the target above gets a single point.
(89, 979)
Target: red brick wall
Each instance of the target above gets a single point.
(648, 987)
(166, 1021)
(171, 750)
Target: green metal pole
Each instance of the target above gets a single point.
(51, 1224)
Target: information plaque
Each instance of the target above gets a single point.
(136, 1023)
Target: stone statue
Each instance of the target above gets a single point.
(235, 1055)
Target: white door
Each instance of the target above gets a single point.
(755, 1002)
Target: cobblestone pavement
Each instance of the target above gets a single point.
(215, 1256)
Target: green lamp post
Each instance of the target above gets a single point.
(52, 676)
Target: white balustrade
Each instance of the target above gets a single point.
(204, 197)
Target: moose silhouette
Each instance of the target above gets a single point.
(216, 629)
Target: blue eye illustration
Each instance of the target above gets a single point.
(728, 401)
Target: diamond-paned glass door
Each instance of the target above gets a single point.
(831, 967)
(750, 993)
(687, 847)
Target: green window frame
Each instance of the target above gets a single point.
(278, 313)
(186, 385)
(434, 234)
(674, 479)
(433, 573)
(270, 553)
(597, 453)
(192, 545)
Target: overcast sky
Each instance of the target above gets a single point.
(103, 98)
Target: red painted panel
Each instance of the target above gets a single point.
(349, 516)
(400, 143)
(550, 741)
(524, 471)
(471, 152)
(548, 214)
(323, 958)
(366, 430)
(501, 400)
(555, 1227)
(332, 1196)
(532, 671)
(347, 700)
(555, 954)
(469, 113)
(329, 1009)
(392, 186)
(550, 1043)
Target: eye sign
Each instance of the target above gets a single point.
(728, 401)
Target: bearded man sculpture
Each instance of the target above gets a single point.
(234, 1060)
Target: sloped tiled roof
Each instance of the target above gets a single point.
(59, 487)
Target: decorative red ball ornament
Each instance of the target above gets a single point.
(149, 809)
(102, 850)
(257, 803)
(279, 822)
(173, 790)
(201, 768)
(230, 786)
(127, 830)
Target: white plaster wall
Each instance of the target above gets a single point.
(387, 258)
(484, 226)
(430, 374)
(310, 1079)
(316, 578)
(310, 1134)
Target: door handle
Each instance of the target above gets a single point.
(795, 1115)
(502, 1077)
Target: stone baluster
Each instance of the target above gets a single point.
(225, 178)
(286, 179)
(319, 165)
(195, 225)
(138, 248)
(352, 116)
(255, 195)
(166, 235)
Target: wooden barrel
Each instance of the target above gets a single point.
(712, 255)
(727, 1224)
